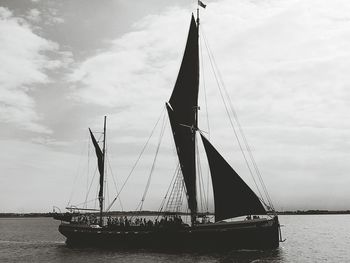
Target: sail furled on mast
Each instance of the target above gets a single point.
(182, 111)
(100, 162)
(232, 196)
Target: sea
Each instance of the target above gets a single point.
(309, 238)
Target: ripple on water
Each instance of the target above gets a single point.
(309, 239)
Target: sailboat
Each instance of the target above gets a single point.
(233, 198)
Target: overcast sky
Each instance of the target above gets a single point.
(66, 64)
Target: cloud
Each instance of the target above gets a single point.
(285, 65)
(56, 20)
(34, 15)
(24, 66)
(135, 76)
(52, 18)
(135, 63)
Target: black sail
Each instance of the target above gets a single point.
(232, 196)
(184, 98)
(182, 113)
(185, 148)
(100, 163)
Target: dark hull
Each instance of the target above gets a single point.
(252, 234)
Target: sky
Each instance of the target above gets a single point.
(66, 64)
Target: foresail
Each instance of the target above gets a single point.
(232, 196)
(100, 162)
(182, 113)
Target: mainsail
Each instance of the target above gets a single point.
(232, 196)
(182, 110)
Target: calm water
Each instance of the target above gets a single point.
(310, 238)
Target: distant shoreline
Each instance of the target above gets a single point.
(315, 212)
(298, 212)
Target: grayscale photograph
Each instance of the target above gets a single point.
(146, 131)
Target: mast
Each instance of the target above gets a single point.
(195, 128)
(198, 14)
(100, 154)
(182, 110)
(196, 107)
(101, 195)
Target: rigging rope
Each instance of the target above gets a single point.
(228, 114)
(207, 114)
(172, 200)
(89, 201)
(234, 112)
(87, 173)
(139, 157)
(154, 161)
(107, 194)
(200, 179)
(205, 92)
(220, 82)
(92, 180)
(115, 183)
(235, 115)
(167, 192)
(252, 158)
(78, 172)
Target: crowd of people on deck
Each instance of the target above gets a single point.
(125, 222)
(85, 220)
(143, 222)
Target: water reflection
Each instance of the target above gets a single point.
(275, 255)
(141, 255)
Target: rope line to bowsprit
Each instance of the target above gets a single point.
(154, 162)
(137, 160)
